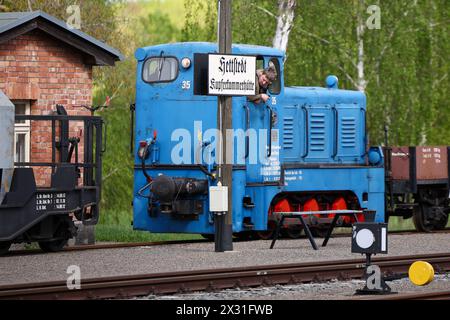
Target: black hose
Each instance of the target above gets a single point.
(145, 171)
(200, 166)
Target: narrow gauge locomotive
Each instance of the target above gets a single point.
(314, 154)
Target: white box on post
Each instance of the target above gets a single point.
(218, 198)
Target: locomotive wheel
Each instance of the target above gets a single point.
(419, 214)
(293, 232)
(318, 232)
(267, 235)
(53, 245)
(4, 247)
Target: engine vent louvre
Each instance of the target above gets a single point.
(288, 132)
(348, 125)
(317, 134)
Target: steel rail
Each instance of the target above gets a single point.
(216, 279)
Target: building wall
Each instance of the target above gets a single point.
(45, 71)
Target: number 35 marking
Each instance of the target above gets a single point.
(186, 85)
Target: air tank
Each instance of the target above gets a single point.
(7, 111)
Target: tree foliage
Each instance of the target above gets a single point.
(98, 17)
(406, 61)
(118, 24)
(200, 21)
(119, 83)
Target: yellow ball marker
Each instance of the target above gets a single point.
(421, 273)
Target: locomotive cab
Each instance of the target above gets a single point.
(304, 146)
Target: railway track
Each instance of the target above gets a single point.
(120, 245)
(158, 243)
(217, 279)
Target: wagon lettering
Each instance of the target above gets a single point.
(51, 201)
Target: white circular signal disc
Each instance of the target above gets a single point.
(365, 238)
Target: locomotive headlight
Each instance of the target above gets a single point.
(369, 237)
(186, 63)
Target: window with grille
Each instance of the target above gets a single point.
(22, 133)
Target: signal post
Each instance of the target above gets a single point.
(228, 75)
(224, 241)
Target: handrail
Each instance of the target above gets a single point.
(366, 142)
(93, 123)
(132, 111)
(306, 131)
(56, 117)
(336, 132)
(269, 152)
(247, 127)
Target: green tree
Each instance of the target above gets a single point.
(200, 21)
(157, 28)
(402, 67)
(98, 17)
(119, 83)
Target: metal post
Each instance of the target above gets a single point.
(368, 259)
(224, 241)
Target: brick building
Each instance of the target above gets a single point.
(44, 62)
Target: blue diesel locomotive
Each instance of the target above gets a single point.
(304, 150)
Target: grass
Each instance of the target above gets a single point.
(395, 224)
(121, 233)
(399, 224)
(115, 226)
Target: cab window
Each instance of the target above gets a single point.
(259, 62)
(160, 69)
(275, 87)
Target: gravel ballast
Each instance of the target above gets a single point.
(332, 290)
(168, 258)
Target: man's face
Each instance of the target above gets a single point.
(264, 81)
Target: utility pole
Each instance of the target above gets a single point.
(224, 222)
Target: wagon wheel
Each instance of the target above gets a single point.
(441, 223)
(419, 218)
(53, 245)
(4, 247)
(267, 235)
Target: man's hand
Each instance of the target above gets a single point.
(264, 97)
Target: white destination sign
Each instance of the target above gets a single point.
(231, 75)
